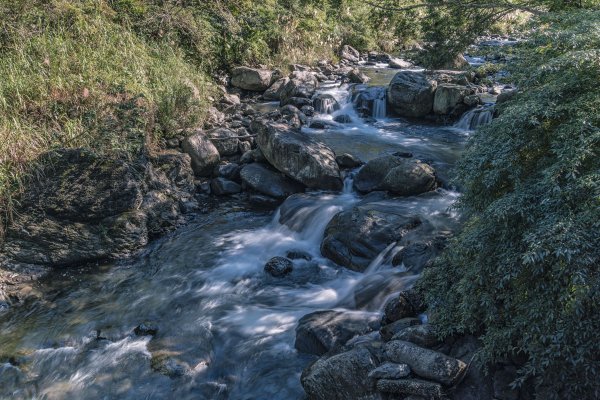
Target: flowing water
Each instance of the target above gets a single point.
(225, 327)
(475, 118)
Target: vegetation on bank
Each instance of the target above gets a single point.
(523, 273)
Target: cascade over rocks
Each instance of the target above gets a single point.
(253, 79)
(298, 156)
(411, 94)
(264, 180)
(398, 175)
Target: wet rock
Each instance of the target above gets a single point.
(266, 181)
(298, 255)
(348, 161)
(279, 267)
(421, 335)
(408, 303)
(353, 238)
(343, 119)
(223, 187)
(390, 370)
(372, 289)
(399, 175)
(417, 387)
(411, 94)
(146, 329)
(229, 171)
(357, 76)
(448, 96)
(309, 111)
(325, 103)
(274, 91)
(349, 53)
(323, 331)
(390, 330)
(426, 363)
(298, 156)
(319, 125)
(398, 63)
(253, 79)
(204, 155)
(225, 140)
(341, 377)
(415, 256)
(263, 201)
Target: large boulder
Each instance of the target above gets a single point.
(325, 103)
(274, 91)
(302, 84)
(225, 140)
(399, 175)
(448, 96)
(266, 181)
(322, 331)
(426, 363)
(203, 153)
(411, 94)
(357, 76)
(353, 238)
(298, 156)
(253, 79)
(349, 53)
(398, 63)
(344, 376)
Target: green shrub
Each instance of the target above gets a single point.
(523, 273)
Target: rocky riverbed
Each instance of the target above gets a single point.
(270, 254)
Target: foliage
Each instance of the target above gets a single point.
(523, 274)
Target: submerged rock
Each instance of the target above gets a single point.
(411, 94)
(322, 331)
(298, 156)
(279, 266)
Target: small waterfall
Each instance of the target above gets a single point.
(326, 104)
(473, 119)
(380, 106)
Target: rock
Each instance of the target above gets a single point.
(398, 175)
(279, 267)
(448, 96)
(348, 161)
(390, 370)
(309, 111)
(298, 156)
(230, 99)
(353, 238)
(398, 63)
(204, 155)
(357, 76)
(411, 94)
(415, 256)
(459, 62)
(505, 96)
(269, 182)
(421, 335)
(322, 331)
(343, 119)
(223, 187)
(274, 91)
(229, 171)
(408, 303)
(349, 53)
(390, 330)
(214, 118)
(244, 147)
(366, 99)
(417, 387)
(263, 201)
(225, 140)
(257, 80)
(325, 104)
(319, 125)
(341, 377)
(146, 329)
(298, 255)
(472, 100)
(299, 102)
(426, 363)
(301, 85)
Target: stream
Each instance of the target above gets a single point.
(226, 329)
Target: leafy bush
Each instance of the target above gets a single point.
(523, 274)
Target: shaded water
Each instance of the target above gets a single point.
(225, 328)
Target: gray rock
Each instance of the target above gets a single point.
(204, 155)
(417, 387)
(223, 187)
(426, 363)
(253, 79)
(229, 171)
(348, 161)
(274, 91)
(262, 201)
(225, 140)
(325, 103)
(349, 53)
(421, 335)
(357, 76)
(269, 182)
(411, 94)
(390, 330)
(398, 63)
(309, 111)
(298, 156)
(214, 118)
(398, 175)
(298, 255)
(390, 370)
(319, 125)
(343, 119)
(448, 96)
(323, 331)
(341, 377)
(301, 85)
(279, 267)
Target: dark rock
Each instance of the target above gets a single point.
(348, 161)
(390, 330)
(301, 85)
(390, 370)
(426, 389)
(225, 140)
(343, 119)
(322, 331)
(421, 335)
(341, 377)
(325, 104)
(411, 94)
(279, 267)
(309, 111)
(298, 156)
(298, 255)
(266, 181)
(229, 171)
(408, 303)
(319, 125)
(262, 201)
(223, 187)
(426, 363)
(357, 76)
(274, 91)
(204, 155)
(146, 329)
